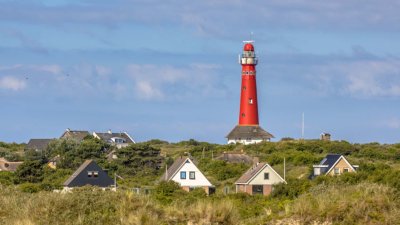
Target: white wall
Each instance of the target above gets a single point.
(244, 141)
(199, 181)
(273, 177)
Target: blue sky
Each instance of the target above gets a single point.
(168, 69)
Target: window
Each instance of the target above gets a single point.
(337, 171)
(183, 175)
(118, 140)
(266, 176)
(192, 175)
(250, 101)
(346, 170)
(243, 114)
(257, 189)
(93, 174)
(244, 88)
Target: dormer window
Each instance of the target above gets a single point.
(93, 174)
(118, 140)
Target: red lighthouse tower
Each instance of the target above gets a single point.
(248, 131)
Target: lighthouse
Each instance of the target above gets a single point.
(248, 131)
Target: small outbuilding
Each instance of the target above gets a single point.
(259, 179)
(325, 137)
(334, 164)
(89, 173)
(188, 176)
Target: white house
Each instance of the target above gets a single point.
(248, 135)
(187, 175)
(259, 179)
(121, 139)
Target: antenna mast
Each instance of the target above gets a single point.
(302, 126)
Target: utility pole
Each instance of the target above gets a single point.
(284, 169)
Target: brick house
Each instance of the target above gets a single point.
(259, 179)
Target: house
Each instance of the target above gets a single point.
(248, 135)
(38, 144)
(6, 165)
(325, 137)
(121, 139)
(235, 157)
(77, 135)
(259, 179)
(188, 176)
(89, 173)
(334, 164)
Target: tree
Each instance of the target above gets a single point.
(30, 171)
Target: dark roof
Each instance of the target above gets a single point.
(77, 135)
(107, 136)
(5, 165)
(244, 132)
(174, 168)
(235, 158)
(330, 160)
(38, 144)
(80, 177)
(246, 177)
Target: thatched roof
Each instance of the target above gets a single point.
(244, 132)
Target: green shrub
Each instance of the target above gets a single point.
(165, 191)
(29, 187)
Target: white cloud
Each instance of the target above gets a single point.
(358, 78)
(393, 123)
(12, 83)
(165, 81)
(147, 91)
(48, 68)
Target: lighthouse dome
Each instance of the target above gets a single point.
(248, 47)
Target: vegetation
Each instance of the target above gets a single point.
(370, 196)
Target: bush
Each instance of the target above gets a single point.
(30, 171)
(292, 189)
(29, 187)
(166, 191)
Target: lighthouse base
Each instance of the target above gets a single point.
(248, 135)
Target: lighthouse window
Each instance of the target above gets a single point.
(250, 101)
(243, 114)
(244, 88)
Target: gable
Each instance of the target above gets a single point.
(341, 163)
(274, 177)
(189, 166)
(81, 177)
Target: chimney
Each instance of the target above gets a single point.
(256, 160)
